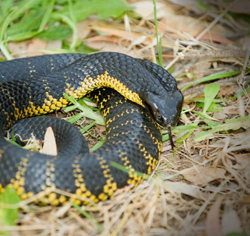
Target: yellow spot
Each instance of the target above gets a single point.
(52, 197)
(62, 199)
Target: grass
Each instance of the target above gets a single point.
(34, 24)
(159, 48)
(213, 132)
(87, 111)
(211, 78)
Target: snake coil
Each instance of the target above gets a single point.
(132, 95)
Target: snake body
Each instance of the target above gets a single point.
(128, 91)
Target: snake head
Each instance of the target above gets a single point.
(164, 108)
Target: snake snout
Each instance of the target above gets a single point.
(165, 108)
(172, 109)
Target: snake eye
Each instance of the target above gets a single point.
(158, 116)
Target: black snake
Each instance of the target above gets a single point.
(128, 91)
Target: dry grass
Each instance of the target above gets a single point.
(200, 188)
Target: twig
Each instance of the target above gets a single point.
(213, 54)
(206, 203)
(197, 90)
(242, 77)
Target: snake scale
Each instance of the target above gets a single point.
(135, 96)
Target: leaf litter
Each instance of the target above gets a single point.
(203, 187)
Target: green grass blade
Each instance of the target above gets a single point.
(203, 135)
(204, 115)
(5, 51)
(85, 129)
(22, 7)
(123, 168)
(87, 111)
(5, 25)
(22, 36)
(19, 10)
(98, 145)
(233, 124)
(104, 9)
(5, 6)
(76, 117)
(211, 78)
(159, 49)
(210, 92)
(74, 29)
(46, 16)
(56, 32)
(8, 216)
(64, 19)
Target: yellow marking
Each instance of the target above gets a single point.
(151, 161)
(134, 178)
(50, 172)
(110, 185)
(19, 182)
(104, 80)
(51, 104)
(81, 190)
(1, 153)
(62, 199)
(1, 188)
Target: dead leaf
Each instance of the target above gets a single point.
(108, 39)
(227, 90)
(49, 146)
(220, 116)
(177, 24)
(213, 226)
(187, 189)
(83, 29)
(246, 200)
(111, 47)
(199, 68)
(245, 42)
(203, 175)
(52, 45)
(230, 220)
(101, 128)
(146, 9)
(36, 47)
(243, 160)
(123, 34)
(242, 6)
(18, 49)
(138, 41)
(215, 38)
(188, 4)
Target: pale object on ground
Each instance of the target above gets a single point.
(230, 220)
(35, 47)
(49, 146)
(203, 175)
(213, 226)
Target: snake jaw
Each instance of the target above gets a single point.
(165, 108)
